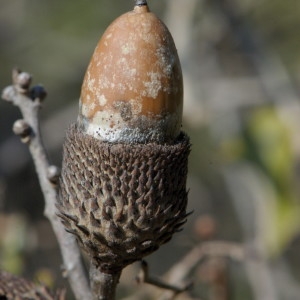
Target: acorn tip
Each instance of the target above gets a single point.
(140, 2)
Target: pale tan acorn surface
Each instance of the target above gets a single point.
(133, 90)
(123, 181)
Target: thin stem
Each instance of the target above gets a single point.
(74, 268)
(179, 272)
(140, 2)
(146, 278)
(103, 284)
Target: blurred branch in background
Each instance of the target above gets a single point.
(231, 96)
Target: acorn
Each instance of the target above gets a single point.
(123, 181)
(132, 90)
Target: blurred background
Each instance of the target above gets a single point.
(241, 66)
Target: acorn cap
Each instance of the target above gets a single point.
(133, 90)
(122, 201)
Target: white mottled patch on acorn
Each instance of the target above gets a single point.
(153, 86)
(102, 100)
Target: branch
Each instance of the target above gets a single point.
(178, 274)
(103, 284)
(29, 102)
(180, 271)
(144, 276)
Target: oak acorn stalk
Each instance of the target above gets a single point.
(123, 181)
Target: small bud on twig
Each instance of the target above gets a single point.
(22, 129)
(53, 174)
(22, 80)
(7, 94)
(38, 93)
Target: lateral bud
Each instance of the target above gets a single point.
(23, 130)
(38, 93)
(53, 174)
(21, 80)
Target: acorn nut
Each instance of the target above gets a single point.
(133, 90)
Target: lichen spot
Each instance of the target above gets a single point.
(124, 109)
(85, 110)
(127, 48)
(153, 86)
(136, 106)
(102, 100)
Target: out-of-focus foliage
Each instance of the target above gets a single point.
(278, 22)
(266, 143)
(12, 243)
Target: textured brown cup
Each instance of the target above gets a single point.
(122, 201)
